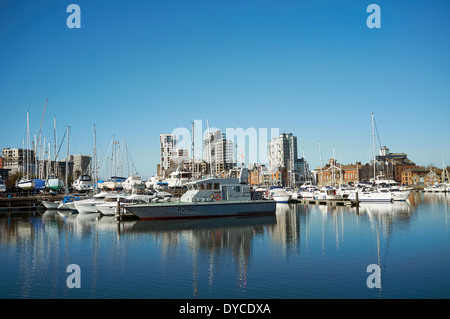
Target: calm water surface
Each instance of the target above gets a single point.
(302, 252)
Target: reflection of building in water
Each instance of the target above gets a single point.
(287, 229)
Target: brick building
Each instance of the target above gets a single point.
(414, 176)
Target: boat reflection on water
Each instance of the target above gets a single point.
(384, 208)
(437, 198)
(230, 257)
(200, 223)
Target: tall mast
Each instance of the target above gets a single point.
(67, 162)
(321, 163)
(35, 156)
(373, 148)
(39, 141)
(28, 144)
(192, 153)
(112, 156)
(95, 161)
(121, 160)
(54, 146)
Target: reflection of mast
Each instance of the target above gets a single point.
(323, 233)
(211, 267)
(194, 273)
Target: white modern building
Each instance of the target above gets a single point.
(168, 143)
(218, 152)
(282, 153)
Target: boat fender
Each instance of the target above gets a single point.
(218, 197)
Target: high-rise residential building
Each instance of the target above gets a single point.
(282, 153)
(168, 143)
(218, 152)
(18, 160)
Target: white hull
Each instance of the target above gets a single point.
(83, 184)
(326, 193)
(134, 186)
(281, 198)
(70, 206)
(400, 195)
(83, 187)
(50, 204)
(280, 195)
(371, 197)
(107, 209)
(26, 185)
(440, 188)
(306, 195)
(326, 196)
(87, 206)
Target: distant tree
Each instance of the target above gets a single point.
(12, 180)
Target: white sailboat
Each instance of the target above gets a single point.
(26, 184)
(52, 182)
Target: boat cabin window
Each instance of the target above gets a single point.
(202, 186)
(209, 186)
(216, 186)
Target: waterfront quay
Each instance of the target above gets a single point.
(328, 202)
(19, 203)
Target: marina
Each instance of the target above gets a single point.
(224, 150)
(302, 251)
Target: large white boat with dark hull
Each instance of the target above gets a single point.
(211, 197)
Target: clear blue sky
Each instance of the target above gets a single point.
(140, 68)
